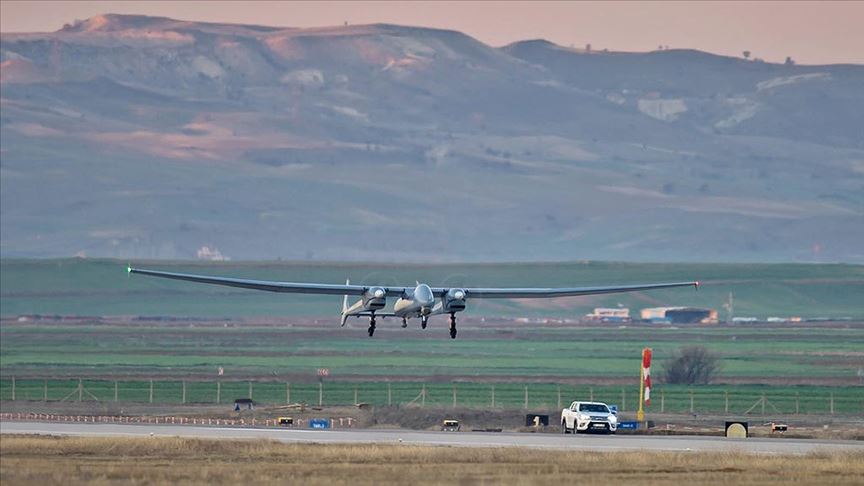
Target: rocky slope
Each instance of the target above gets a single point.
(134, 136)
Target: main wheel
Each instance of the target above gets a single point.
(371, 330)
(423, 322)
(453, 333)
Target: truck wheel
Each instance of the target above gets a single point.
(563, 426)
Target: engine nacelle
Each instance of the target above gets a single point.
(374, 298)
(454, 300)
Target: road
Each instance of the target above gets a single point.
(459, 439)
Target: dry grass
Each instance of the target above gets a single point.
(74, 460)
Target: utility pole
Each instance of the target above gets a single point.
(730, 308)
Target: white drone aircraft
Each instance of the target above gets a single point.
(420, 301)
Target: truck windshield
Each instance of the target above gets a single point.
(593, 407)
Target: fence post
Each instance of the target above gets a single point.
(662, 401)
(389, 395)
(763, 404)
(13, 388)
(355, 395)
(623, 400)
(526, 397)
(45, 390)
(726, 397)
(832, 403)
(454, 395)
(493, 395)
(250, 390)
(218, 392)
(692, 408)
(184, 392)
(81, 389)
(287, 392)
(559, 397)
(115, 390)
(320, 393)
(423, 396)
(591, 394)
(151, 391)
(797, 402)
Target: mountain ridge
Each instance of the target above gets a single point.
(418, 144)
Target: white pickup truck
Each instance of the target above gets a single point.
(588, 417)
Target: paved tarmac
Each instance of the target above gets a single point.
(458, 439)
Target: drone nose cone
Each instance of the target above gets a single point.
(423, 295)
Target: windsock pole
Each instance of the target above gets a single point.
(640, 414)
(644, 383)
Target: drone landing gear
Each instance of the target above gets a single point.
(371, 326)
(452, 325)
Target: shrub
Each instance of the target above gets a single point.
(691, 365)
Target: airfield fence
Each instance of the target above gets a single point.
(743, 399)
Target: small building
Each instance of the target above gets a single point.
(614, 314)
(679, 315)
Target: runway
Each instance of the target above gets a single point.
(457, 439)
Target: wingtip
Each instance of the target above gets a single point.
(696, 284)
(128, 268)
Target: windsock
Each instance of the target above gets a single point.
(646, 374)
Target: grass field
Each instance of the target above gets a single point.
(778, 355)
(810, 360)
(102, 287)
(57, 460)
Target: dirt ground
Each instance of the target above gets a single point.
(95, 460)
(430, 418)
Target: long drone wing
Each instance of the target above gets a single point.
(540, 293)
(347, 289)
(268, 285)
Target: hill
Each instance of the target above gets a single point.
(144, 137)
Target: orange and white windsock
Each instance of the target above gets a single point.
(646, 374)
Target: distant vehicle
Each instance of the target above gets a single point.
(420, 301)
(450, 425)
(588, 417)
(286, 421)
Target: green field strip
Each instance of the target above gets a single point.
(672, 399)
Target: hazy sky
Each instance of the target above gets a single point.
(810, 32)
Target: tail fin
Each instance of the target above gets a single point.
(345, 304)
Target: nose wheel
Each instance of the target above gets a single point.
(371, 326)
(424, 321)
(452, 325)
